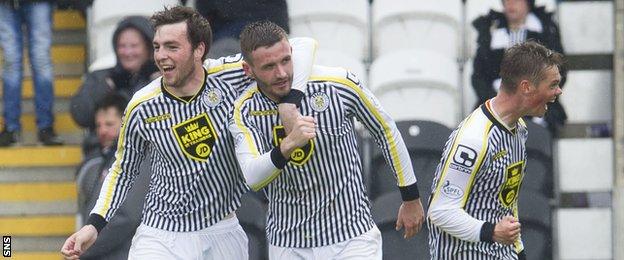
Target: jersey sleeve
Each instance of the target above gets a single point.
(128, 157)
(362, 104)
(303, 55)
(259, 162)
(464, 159)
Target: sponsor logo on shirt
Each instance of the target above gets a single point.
(196, 137)
(158, 118)
(452, 191)
(513, 178)
(300, 155)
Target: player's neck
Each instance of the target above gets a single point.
(191, 85)
(507, 109)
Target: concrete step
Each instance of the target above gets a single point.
(64, 87)
(65, 207)
(62, 53)
(37, 244)
(38, 226)
(61, 70)
(61, 105)
(69, 37)
(68, 20)
(34, 156)
(69, 138)
(37, 191)
(37, 174)
(63, 123)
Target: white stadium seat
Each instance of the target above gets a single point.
(583, 171)
(586, 27)
(417, 85)
(338, 59)
(105, 14)
(104, 62)
(336, 25)
(585, 233)
(421, 25)
(587, 96)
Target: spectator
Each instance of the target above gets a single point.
(115, 239)
(132, 42)
(37, 16)
(520, 21)
(228, 18)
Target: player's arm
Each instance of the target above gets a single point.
(464, 161)
(303, 55)
(260, 162)
(363, 104)
(115, 187)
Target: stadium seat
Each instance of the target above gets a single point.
(425, 142)
(107, 61)
(585, 164)
(105, 14)
(385, 210)
(335, 58)
(251, 215)
(582, 22)
(336, 25)
(417, 85)
(420, 25)
(585, 233)
(587, 96)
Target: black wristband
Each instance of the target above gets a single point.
(293, 97)
(278, 158)
(487, 232)
(97, 221)
(409, 192)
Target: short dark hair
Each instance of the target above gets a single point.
(198, 28)
(527, 60)
(114, 100)
(260, 34)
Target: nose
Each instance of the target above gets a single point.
(280, 72)
(159, 55)
(559, 91)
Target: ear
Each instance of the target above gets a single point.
(247, 70)
(199, 51)
(526, 87)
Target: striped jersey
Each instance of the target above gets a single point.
(196, 180)
(477, 181)
(319, 197)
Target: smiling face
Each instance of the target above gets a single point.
(132, 50)
(272, 68)
(174, 55)
(546, 91)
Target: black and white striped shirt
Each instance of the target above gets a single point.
(319, 197)
(476, 183)
(195, 180)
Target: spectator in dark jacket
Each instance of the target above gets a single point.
(114, 240)
(520, 21)
(132, 42)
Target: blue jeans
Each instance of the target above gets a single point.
(38, 19)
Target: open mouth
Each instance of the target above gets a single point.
(167, 68)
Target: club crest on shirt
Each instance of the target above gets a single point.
(300, 155)
(513, 178)
(319, 101)
(212, 97)
(196, 137)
